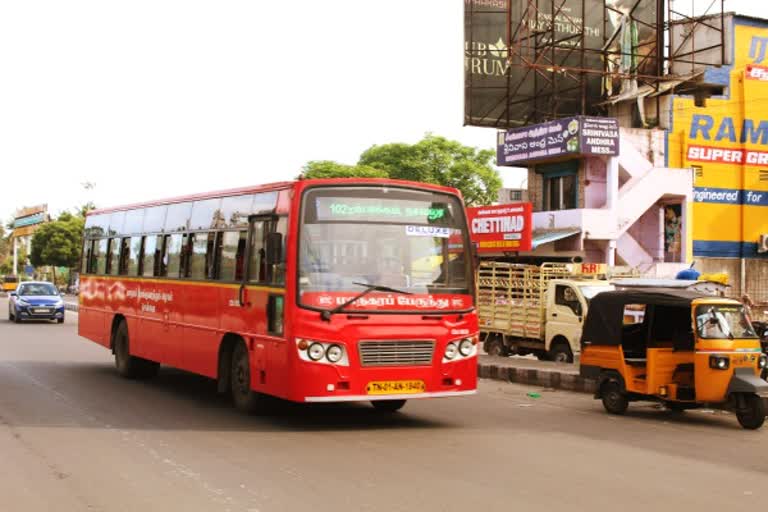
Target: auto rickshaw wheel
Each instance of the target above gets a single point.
(614, 400)
(752, 415)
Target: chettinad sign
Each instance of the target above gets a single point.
(570, 136)
(501, 228)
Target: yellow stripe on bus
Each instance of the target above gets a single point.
(184, 282)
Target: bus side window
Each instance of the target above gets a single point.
(112, 250)
(196, 260)
(123, 256)
(101, 256)
(86, 257)
(213, 255)
(160, 266)
(257, 263)
(231, 255)
(275, 274)
(172, 254)
(134, 254)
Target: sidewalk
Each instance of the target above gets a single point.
(535, 373)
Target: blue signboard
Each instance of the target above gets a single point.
(29, 220)
(576, 136)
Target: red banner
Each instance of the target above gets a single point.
(501, 228)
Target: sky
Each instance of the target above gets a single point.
(157, 98)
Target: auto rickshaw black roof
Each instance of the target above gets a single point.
(605, 318)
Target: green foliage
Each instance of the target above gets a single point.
(432, 160)
(440, 161)
(58, 243)
(319, 169)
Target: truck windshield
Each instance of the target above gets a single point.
(405, 239)
(590, 291)
(723, 321)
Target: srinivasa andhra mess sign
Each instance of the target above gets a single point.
(501, 228)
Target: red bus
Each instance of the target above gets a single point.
(310, 291)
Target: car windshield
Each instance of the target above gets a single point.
(37, 289)
(723, 321)
(412, 241)
(590, 291)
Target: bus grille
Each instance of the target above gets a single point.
(396, 353)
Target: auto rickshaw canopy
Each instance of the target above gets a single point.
(605, 318)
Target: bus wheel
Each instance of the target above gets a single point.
(752, 415)
(388, 405)
(245, 398)
(127, 365)
(614, 401)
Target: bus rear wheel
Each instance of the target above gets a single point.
(388, 405)
(128, 366)
(243, 396)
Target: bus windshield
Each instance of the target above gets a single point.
(409, 240)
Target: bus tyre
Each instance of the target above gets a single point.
(560, 352)
(127, 365)
(752, 415)
(388, 405)
(243, 396)
(614, 400)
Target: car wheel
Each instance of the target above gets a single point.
(243, 396)
(752, 416)
(10, 315)
(388, 405)
(59, 320)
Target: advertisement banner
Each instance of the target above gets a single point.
(501, 228)
(579, 135)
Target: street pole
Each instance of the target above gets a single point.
(15, 256)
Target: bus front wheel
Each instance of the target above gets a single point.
(388, 405)
(244, 397)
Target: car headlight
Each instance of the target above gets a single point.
(763, 361)
(22, 302)
(334, 353)
(451, 350)
(719, 362)
(466, 347)
(316, 351)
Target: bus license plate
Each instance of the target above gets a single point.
(395, 387)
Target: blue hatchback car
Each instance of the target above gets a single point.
(36, 300)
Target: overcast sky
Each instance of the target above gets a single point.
(156, 98)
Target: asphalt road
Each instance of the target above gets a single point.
(76, 437)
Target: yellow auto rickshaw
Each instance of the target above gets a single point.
(684, 349)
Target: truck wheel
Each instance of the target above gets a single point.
(542, 355)
(494, 346)
(752, 416)
(560, 353)
(614, 401)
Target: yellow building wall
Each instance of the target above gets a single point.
(726, 142)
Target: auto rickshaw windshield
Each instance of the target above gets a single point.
(718, 321)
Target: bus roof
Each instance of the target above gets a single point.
(281, 185)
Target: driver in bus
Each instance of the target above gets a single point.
(391, 272)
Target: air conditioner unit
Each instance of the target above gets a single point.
(762, 245)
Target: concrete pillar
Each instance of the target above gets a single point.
(662, 234)
(612, 183)
(610, 253)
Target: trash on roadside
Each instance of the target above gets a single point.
(533, 394)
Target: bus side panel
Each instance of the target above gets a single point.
(91, 318)
(201, 335)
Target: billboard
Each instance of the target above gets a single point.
(725, 142)
(501, 228)
(580, 135)
(529, 62)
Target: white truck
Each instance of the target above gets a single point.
(527, 309)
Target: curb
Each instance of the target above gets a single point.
(537, 377)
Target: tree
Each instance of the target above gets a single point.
(58, 243)
(318, 169)
(432, 160)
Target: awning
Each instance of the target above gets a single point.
(545, 237)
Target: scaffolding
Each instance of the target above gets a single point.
(560, 58)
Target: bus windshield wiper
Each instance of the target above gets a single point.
(326, 314)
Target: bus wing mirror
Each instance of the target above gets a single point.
(274, 249)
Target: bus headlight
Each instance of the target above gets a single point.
(719, 362)
(334, 353)
(763, 361)
(466, 347)
(451, 350)
(316, 351)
